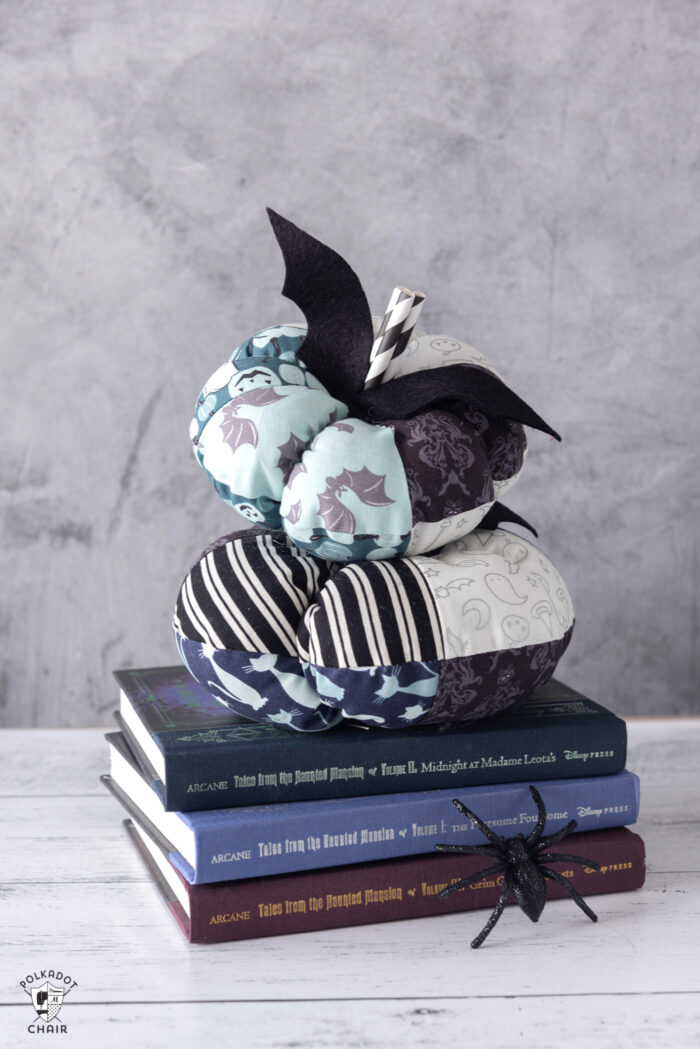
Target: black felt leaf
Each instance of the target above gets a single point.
(444, 387)
(329, 294)
(340, 336)
(499, 513)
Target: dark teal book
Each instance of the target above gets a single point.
(198, 755)
(257, 841)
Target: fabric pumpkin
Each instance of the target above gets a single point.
(291, 438)
(282, 636)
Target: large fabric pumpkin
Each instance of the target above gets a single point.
(282, 636)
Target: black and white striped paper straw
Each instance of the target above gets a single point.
(394, 332)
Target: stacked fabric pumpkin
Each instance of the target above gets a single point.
(375, 582)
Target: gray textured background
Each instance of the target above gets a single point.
(533, 166)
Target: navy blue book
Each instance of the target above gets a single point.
(197, 754)
(260, 840)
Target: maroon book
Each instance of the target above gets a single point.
(387, 890)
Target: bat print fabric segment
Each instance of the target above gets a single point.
(285, 454)
(267, 433)
(349, 486)
(281, 342)
(255, 417)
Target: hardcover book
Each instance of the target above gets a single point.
(231, 844)
(198, 754)
(389, 890)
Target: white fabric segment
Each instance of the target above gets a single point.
(495, 590)
(435, 351)
(430, 535)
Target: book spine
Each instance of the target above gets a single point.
(258, 842)
(327, 899)
(231, 774)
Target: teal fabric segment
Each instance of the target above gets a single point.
(266, 432)
(343, 549)
(348, 497)
(279, 340)
(254, 418)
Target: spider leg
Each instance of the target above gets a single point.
(449, 889)
(575, 896)
(536, 831)
(495, 913)
(471, 850)
(565, 857)
(552, 839)
(483, 827)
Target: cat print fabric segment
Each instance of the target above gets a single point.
(268, 688)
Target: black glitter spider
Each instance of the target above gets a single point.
(521, 860)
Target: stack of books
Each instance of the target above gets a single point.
(253, 830)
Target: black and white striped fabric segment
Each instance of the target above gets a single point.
(249, 593)
(373, 613)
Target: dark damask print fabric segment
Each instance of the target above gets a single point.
(504, 441)
(446, 465)
(478, 686)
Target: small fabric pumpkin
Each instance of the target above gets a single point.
(293, 437)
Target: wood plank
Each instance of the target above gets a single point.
(664, 750)
(609, 1021)
(73, 896)
(52, 762)
(643, 941)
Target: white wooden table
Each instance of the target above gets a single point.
(75, 898)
